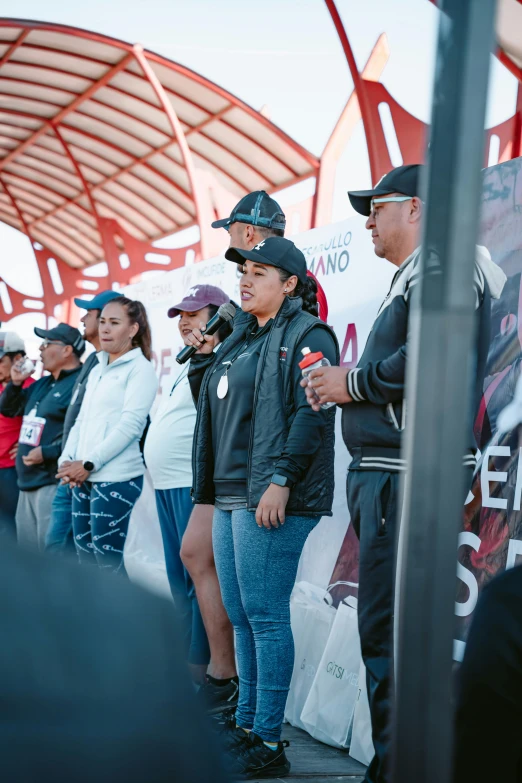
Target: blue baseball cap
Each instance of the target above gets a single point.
(99, 301)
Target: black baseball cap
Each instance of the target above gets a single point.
(403, 179)
(256, 209)
(274, 251)
(65, 334)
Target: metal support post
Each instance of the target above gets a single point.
(439, 378)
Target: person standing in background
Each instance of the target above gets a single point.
(267, 465)
(43, 406)
(168, 456)
(374, 418)
(101, 459)
(59, 537)
(12, 349)
(254, 218)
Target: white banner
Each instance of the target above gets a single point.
(355, 282)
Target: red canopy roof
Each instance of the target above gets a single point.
(92, 128)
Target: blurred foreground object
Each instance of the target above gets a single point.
(490, 684)
(441, 366)
(94, 687)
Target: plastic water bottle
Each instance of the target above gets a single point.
(27, 366)
(312, 361)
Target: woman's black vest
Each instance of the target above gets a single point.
(272, 415)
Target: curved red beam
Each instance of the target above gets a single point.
(92, 202)
(358, 85)
(177, 130)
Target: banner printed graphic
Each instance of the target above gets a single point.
(491, 540)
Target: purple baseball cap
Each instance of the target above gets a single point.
(197, 297)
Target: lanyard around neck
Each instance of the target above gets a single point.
(183, 374)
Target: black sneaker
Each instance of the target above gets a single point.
(230, 735)
(217, 698)
(254, 760)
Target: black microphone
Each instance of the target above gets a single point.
(225, 313)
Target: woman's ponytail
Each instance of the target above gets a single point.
(312, 294)
(138, 315)
(308, 293)
(320, 297)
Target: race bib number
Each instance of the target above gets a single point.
(31, 431)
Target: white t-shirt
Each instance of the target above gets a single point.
(168, 447)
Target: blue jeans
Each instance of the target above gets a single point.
(174, 510)
(59, 537)
(101, 514)
(257, 569)
(8, 502)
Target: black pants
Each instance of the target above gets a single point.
(8, 502)
(373, 502)
(488, 729)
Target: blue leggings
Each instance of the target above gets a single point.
(101, 513)
(257, 569)
(174, 510)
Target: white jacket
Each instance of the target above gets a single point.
(114, 411)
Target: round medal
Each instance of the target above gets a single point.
(222, 387)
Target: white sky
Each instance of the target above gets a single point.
(281, 53)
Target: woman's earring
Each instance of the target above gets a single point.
(285, 291)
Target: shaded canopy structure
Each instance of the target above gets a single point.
(106, 147)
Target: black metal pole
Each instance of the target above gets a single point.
(440, 371)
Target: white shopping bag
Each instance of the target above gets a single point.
(143, 553)
(361, 746)
(311, 618)
(328, 712)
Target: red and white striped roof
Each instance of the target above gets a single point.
(94, 127)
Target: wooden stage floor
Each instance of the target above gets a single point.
(313, 762)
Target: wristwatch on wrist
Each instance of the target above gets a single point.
(281, 481)
(88, 465)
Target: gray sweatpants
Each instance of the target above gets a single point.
(33, 514)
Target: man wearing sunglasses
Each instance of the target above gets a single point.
(43, 407)
(374, 418)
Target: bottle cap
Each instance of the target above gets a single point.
(309, 358)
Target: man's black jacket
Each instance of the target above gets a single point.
(51, 399)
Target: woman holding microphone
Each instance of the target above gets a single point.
(267, 465)
(101, 459)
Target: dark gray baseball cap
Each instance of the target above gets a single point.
(63, 333)
(256, 209)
